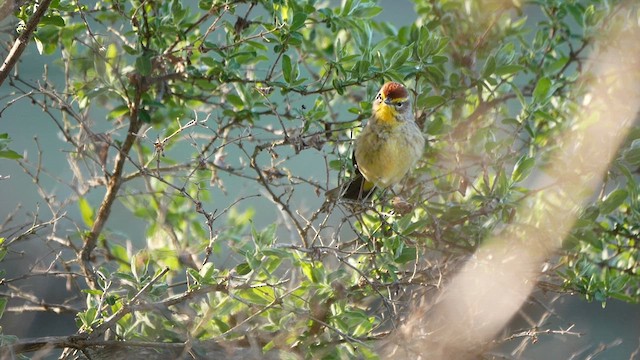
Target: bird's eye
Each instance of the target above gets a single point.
(399, 104)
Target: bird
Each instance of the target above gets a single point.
(388, 147)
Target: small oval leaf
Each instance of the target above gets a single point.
(523, 168)
(542, 90)
(429, 102)
(86, 211)
(613, 201)
(286, 68)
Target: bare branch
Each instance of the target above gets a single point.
(113, 186)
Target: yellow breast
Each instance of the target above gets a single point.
(386, 152)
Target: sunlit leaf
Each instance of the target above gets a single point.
(86, 211)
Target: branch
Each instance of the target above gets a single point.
(534, 333)
(113, 186)
(21, 42)
(135, 350)
(156, 349)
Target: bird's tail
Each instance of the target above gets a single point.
(357, 188)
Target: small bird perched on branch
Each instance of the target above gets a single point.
(388, 147)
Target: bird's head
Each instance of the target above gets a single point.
(392, 103)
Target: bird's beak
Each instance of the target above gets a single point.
(387, 101)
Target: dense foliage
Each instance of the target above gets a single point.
(208, 121)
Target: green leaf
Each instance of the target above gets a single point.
(270, 264)
(523, 168)
(623, 297)
(298, 21)
(111, 300)
(511, 122)
(3, 305)
(266, 236)
(118, 112)
(632, 154)
(435, 127)
(307, 270)
(195, 275)
(125, 276)
(119, 252)
(502, 186)
(260, 296)
(177, 11)
(588, 216)
(129, 50)
(337, 84)
(243, 269)
(430, 102)
(519, 95)
(55, 20)
(556, 66)
(143, 64)
(88, 317)
(96, 292)
(222, 325)
(144, 116)
(10, 154)
(439, 59)
(286, 68)
(257, 45)
(508, 69)
(542, 90)
(236, 101)
(407, 254)
(366, 12)
(489, 67)
(47, 38)
(207, 273)
(400, 57)
(335, 165)
(613, 201)
(347, 7)
(86, 211)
